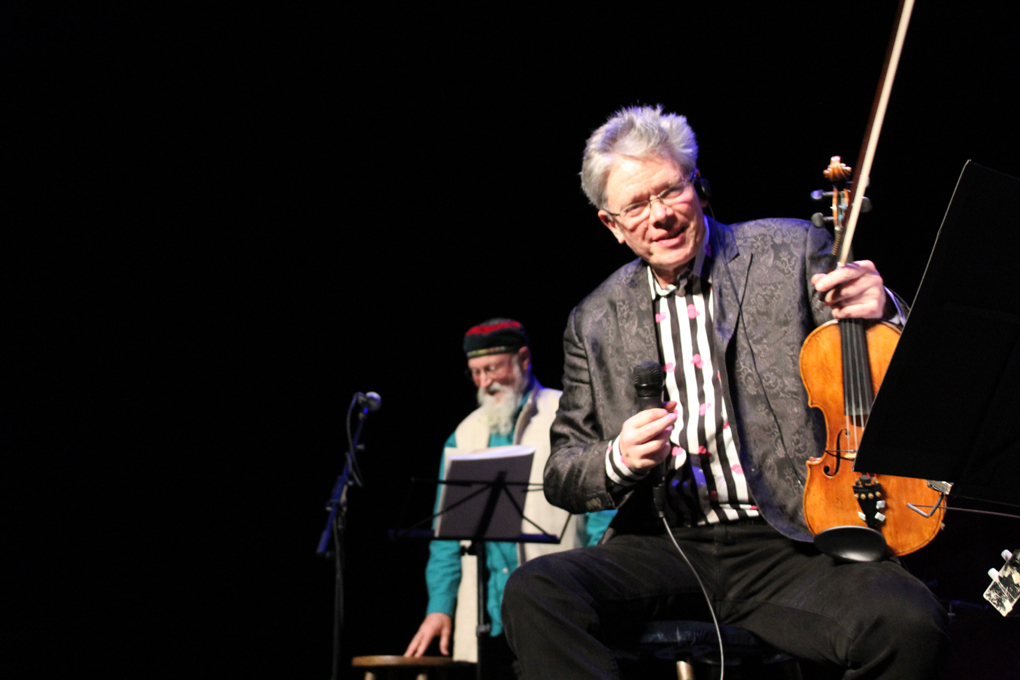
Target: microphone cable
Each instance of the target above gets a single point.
(708, 600)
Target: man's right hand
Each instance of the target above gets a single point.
(433, 625)
(644, 439)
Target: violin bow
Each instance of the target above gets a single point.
(866, 156)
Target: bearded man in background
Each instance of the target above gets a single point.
(514, 409)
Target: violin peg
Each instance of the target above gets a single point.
(821, 221)
(1007, 555)
(994, 574)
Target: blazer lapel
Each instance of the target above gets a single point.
(621, 333)
(728, 276)
(634, 313)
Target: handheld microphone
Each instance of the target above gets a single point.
(370, 401)
(648, 378)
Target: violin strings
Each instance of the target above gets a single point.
(849, 380)
(863, 394)
(858, 385)
(856, 397)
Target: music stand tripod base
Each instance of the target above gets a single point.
(852, 543)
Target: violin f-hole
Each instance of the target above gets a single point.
(837, 454)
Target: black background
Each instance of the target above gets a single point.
(220, 224)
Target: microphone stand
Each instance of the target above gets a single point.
(336, 523)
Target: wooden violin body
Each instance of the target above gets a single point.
(834, 494)
(853, 514)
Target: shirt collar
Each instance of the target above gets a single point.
(528, 389)
(658, 290)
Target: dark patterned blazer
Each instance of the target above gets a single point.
(760, 274)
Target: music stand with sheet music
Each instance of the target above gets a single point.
(946, 408)
(482, 499)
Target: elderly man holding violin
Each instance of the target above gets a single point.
(710, 485)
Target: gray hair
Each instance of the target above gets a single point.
(640, 132)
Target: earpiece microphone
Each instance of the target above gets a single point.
(702, 187)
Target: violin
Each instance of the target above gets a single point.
(857, 515)
(853, 514)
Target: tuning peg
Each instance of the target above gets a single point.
(1007, 555)
(821, 221)
(819, 195)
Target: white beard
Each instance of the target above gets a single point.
(500, 414)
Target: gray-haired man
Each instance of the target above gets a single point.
(725, 310)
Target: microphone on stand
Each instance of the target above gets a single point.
(648, 378)
(370, 401)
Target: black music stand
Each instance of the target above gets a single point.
(482, 500)
(947, 408)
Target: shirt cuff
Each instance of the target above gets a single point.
(441, 605)
(617, 471)
(898, 319)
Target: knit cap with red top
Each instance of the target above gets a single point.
(495, 336)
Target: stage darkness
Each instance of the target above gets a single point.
(219, 225)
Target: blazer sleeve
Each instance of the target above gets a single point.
(575, 474)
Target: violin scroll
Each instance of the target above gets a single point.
(839, 174)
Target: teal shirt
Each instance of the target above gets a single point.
(442, 575)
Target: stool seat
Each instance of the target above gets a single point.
(418, 667)
(667, 638)
(695, 642)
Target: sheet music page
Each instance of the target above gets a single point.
(462, 506)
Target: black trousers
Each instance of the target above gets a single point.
(565, 614)
(498, 660)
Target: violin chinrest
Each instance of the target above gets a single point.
(852, 544)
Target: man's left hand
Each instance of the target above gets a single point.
(854, 290)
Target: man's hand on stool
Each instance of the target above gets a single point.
(433, 625)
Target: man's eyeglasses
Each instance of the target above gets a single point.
(489, 371)
(636, 212)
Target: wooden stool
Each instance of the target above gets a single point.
(397, 667)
